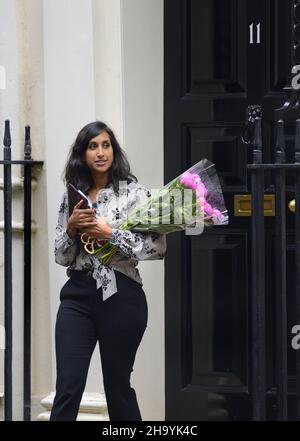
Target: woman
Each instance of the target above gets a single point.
(104, 303)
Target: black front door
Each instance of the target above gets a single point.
(220, 56)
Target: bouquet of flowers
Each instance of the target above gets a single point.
(191, 201)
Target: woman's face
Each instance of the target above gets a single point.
(99, 149)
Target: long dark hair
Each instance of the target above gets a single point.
(78, 173)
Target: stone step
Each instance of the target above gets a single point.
(93, 407)
(82, 416)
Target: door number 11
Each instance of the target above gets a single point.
(251, 37)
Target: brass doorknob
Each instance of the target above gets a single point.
(292, 205)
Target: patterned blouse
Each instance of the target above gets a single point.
(132, 246)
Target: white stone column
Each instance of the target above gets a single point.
(142, 61)
(108, 62)
(69, 105)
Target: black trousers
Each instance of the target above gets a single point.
(118, 324)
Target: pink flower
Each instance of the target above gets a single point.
(194, 186)
(203, 189)
(187, 179)
(208, 209)
(197, 181)
(194, 182)
(200, 192)
(201, 200)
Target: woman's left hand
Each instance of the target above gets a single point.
(101, 231)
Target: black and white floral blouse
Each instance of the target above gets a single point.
(132, 246)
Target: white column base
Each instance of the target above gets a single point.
(93, 407)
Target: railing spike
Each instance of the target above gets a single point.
(280, 144)
(7, 137)
(27, 144)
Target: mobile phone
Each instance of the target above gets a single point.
(74, 196)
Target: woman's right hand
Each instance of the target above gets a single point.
(81, 217)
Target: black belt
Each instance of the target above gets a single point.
(81, 274)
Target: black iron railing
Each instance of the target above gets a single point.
(28, 163)
(257, 170)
